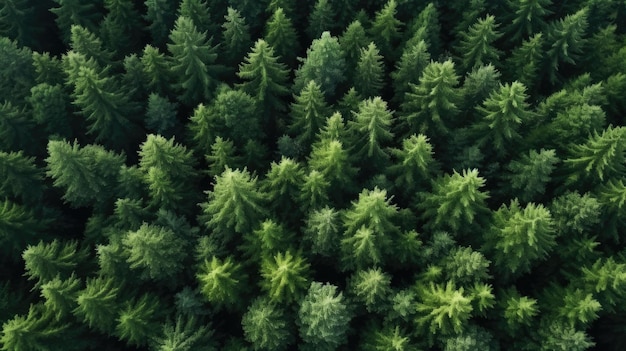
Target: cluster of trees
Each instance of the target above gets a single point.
(312, 175)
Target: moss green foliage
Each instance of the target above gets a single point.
(312, 175)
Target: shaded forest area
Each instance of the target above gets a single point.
(312, 175)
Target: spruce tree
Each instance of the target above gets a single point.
(98, 304)
(352, 41)
(308, 113)
(322, 230)
(566, 41)
(443, 309)
(409, 68)
(16, 129)
(221, 281)
(371, 288)
(160, 15)
(285, 277)
(17, 71)
(478, 85)
(223, 155)
(371, 129)
(426, 27)
(314, 191)
(386, 28)
(70, 12)
(331, 159)
(45, 261)
(267, 326)
(21, 178)
(281, 35)
(60, 295)
(235, 36)
(282, 183)
(530, 174)
(156, 70)
(18, 228)
(37, 331)
(137, 322)
(526, 60)
(200, 14)
(185, 334)
(527, 18)
(477, 44)
(17, 19)
(86, 43)
(50, 106)
(320, 19)
(120, 29)
(161, 115)
(368, 78)
(324, 63)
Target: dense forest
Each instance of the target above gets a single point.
(204, 175)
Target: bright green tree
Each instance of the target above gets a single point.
(323, 318)
(90, 45)
(156, 69)
(267, 240)
(478, 85)
(324, 63)
(221, 281)
(282, 183)
(371, 288)
(477, 44)
(223, 155)
(282, 36)
(308, 114)
(45, 261)
(443, 309)
(98, 304)
(371, 129)
(137, 322)
(386, 28)
(314, 191)
(267, 326)
(331, 159)
(526, 60)
(60, 295)
(285, 277)
(352, 41)
(184, 335)
(37, 331)
(322, 230)
(368, 77)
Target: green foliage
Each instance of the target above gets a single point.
(281, 35)
(443, 309)
(409, 68)
(282, 183)
(266, 326)
(320, 19)
(160, 15)
(160, 114)
(83, 172)
(192, 59)
(371, 128)
(236, 36)
(526, 60)
(385, 29)
(528, 18)
(557, 336)
(330, 159)
(199, 13)
(324, 63)
(323, 318)
(566, 40)
(222, 156)
(17, 17)
(21, 178)
(18, 228)
(50, 106)
(17, 71)
(285, 277)
(16, 128)
(308, 113)
(518, 310)
(414, 164)
(60, 295)
(86, 43)
(155, 251)
(464, 266)
(368, 78)
(37, 331)
(371, 288)
(352, 42)
(120, 29)
(477, 43)
(156, 69)
(44, 262)
(388, 339)
(185, 335)
(136, 323)
(456, 200)
(98, 303)
(70, 12)
(221, 281)
(532, 172)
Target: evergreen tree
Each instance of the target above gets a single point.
(235, 203)
(477, 44)
(265, 77)
(221, 281)
(156, 70)
(16, 128)
(136, 322)
(235, 36)
(161, 115)
(222, 156)
(160, 15)
(519, 237)
(155, 251)
(368, 78)
(98, 304)
(409, 68)
(37, 331)
(17, 71)
(186, 334)
(559, 336)
(285, 277)
(120, 29)
(612, 197)
(43, 262)
(324, 63)
(50, 109)
(527, 18)
(426, 27)
(464, 266)
(70, 12)
(192, 59)
(308, 113)
(265, 242)
(21, 178)
(18, 228)
(322, 229)
(331, 159)
(323, 318)
(199, 13)
(456, 201)
(352, 41)
(371, 288)
(431, 105)
(266, 326)
(390, 338)
(518, 310)
(443, 309)
(479, 84)
(566, 40)
(320, 19)
(526, 60)
(48, 69)
(237, 112)
(282, 184)
(281, 35)
(371, 129)
(17, 18)
(531, 173)
(84, 173)
(385, 29)
(314, 191)
(60, 295)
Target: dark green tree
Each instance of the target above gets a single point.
(352, 41)
(526, 60)
(98, 304)
(137, 322)
(121, 28)
(527, 18)
(323, 318)
(324, 63)
(236, 40)
(465, 266)
(566, 41)
(87, 43)
(409, 68)
(18, 228)
(371, 288)
(156, 69)
(50, 106)
(192, 61)
(478, 85)
(48, 69)
(184, 335)
(160, 15)
(321, 18)
(391, 338)
(200, 14)
(269, 239)
(314, 191)
(282, 183)
(530, 174)
(477, 45)
(309, 111)
(282, 36)
(17, 18)
(223, 155)
(17, 71)
(322, 231)
(368, 77)
(70, 12)
(426, 27)
(161, 115)
(21, 178)
(267, 326)
(45, 261)
(386, 28)
(16, 128)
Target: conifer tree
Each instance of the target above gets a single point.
(331, 159)
(50, 109)
(48, 69)
(385, 29)
(320, 19)
(285, 277)
(324, 63)
(18, 228)
(199, 13)
(265, 77)
(520, 237)
(266, 326)
(527, 18)
(221, 281)
(17, 73)
(120, 29)
(60, 295)
(368, 78)
(314, 191)
(426, 27)
(204, 125)
(478, 85)
(269, 239)
(612, 197)
(17, 19)
(431, 105)
(185, 334)
(409, 68)
(37, 331)
(155, 251)
(16, 128)
(192, 61)
(388, 339)
(566, 39)
(526, 60)
(308, 113)
(322, 230)
(352, 41)
(161, 115)
(250, 10)
(223, 155)
(43, 262)
(323, 318)
(237, 112)
(477, 44)
(281, 35)
(86, 43)
(371, 129)
(502, 114)
(235, 36)
(98, 303)
(443, 309)
(83, 172)
(160, 15)
(371, 288)
(156, 69)
(70, 12)
(464, 266)
(235, 203)
(518, 310)
(456, 200)
(282, 184)
(531, 173)
(136, 322)
(21, 178)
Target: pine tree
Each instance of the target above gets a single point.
(308, 113)
(479, 84)
(199, 13)
(156, 70)
(314, 191)
(268, 240)
(21, 178)
(16, 128)
(526, 60)
(86, 43)
(566, 41)
(320, 19)
(443, 309)
(331, 159)
(18, 228)
(161, 115)
(155, 251)
(285, 277)
(160, 15)
(136, 322)
(37, 331)
(371, 288)
(518, 310)
(98, 304)
(352, 41)
(385, 29)
(60, 295)
(266, 326)
(431, 105)
(50, 105)
(282, 183)
(17, 19)
(235, 203)
(48, 69)
(236, 38)
(456, 201)
(371, 129)
(426, 27)
(265, 77)
(71, 12)
(192, 59)
(84, 173)
(204, 126)
(45, 261)
(390, 338)
(281, 35)
(520, 237)
(560, 336)
(322, 230)
(531, 173)
(464, 266)
(324, 63)
(368, 78)
(477, 44)
(185, 334)
(17, 71)
(222, 156)
(409, 68)
(612, 197)
(527, 18)
(221, 281)
(120, 29)
(323, 318)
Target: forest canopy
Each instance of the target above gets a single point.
(203, 175)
